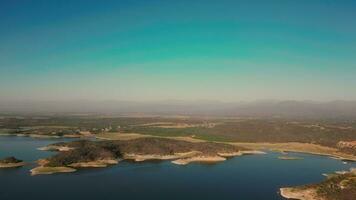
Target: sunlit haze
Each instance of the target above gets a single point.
(182, 50)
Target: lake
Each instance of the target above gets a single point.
(251, 177)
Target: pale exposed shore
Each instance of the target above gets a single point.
(233, 154)
(240, 153)
(206, 159)
(306, 194)
(51, 170)
(55, 148)
(289, 158)
(299, 147)
(12, 165)
(253, 152)
(217, 158)
(42, 136)
(95, 164)
(140, 158)
(41, 169)
(71, 168)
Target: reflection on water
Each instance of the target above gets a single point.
(247, 177)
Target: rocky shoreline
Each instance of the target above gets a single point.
(292, 193)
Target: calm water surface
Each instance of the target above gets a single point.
(255, 177)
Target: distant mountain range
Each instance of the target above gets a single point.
(267, 108)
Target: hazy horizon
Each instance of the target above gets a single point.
(177, 100)
(266, 108)
(227, 51)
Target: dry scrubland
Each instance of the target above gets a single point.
(326, 137)
(323, 132)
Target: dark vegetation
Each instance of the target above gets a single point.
(84, 151)
(340, 187)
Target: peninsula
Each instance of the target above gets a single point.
(84, 153)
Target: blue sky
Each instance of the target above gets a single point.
(188, 50)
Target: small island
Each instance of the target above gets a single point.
(11, 162)
(340, 186)
(82, 154)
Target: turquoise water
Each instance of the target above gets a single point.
(251, 177)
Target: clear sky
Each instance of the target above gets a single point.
(183, 49)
